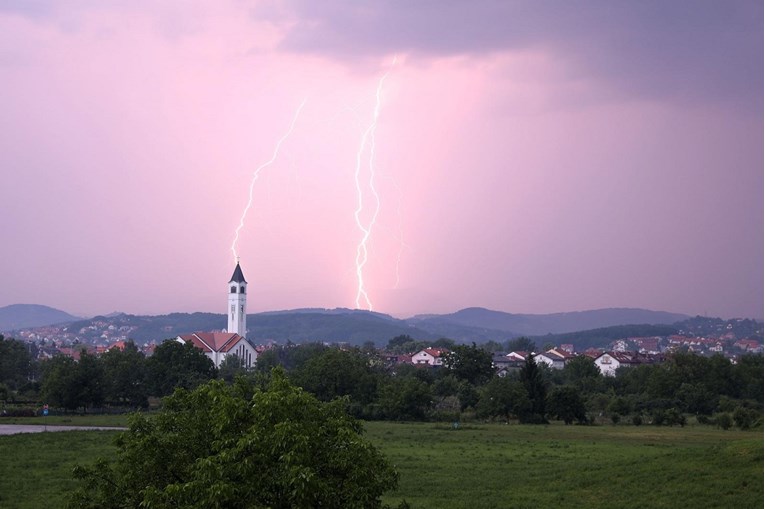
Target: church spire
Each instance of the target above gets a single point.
(238, 276)
(237, 303)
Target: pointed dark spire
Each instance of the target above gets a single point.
(238, 277)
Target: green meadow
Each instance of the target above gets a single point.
(480, 466)
(499, 466)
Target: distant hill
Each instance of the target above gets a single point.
(583, 329)
(330, 325)
(338, 325)
(21, 316)
(600, 338)
(457, 325)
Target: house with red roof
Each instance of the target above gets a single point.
(430, 356)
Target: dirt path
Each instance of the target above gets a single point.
(12, 429)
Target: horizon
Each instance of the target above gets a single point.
(398, 317)
(532, 157)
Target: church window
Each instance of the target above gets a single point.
(241, 289)
(233, 289)
(242, 309)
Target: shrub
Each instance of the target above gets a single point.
(744, 418)
(723, 420)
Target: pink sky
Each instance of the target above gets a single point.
(530, 157)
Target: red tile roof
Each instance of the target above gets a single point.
(213, 341)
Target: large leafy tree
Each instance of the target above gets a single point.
(566, 404)
(582, 372)
(334, 373)
(503, 397)
(406, 398)
(71, 384)
(239, 446)
(470, 363)
(16, 364)
(178, 365)
(126, 376)
(59, 382)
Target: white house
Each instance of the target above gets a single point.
(550, 360)
(218, 345)
(609, 362)
(518, 356)
(429, 356)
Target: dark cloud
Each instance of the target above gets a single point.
(697, 49)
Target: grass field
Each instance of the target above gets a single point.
(573, 466)
(71, 420)
(482, 466)
(36, 469)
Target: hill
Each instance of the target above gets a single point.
(464, 322)
(20, 316)
(599, 338)
(583, 329)
(303, 325)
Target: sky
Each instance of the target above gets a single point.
(528, 157)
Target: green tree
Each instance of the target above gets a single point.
(468, 396)
(566, 404)
(125, 376)
(532, 379)
(59, 383)
(697, 399)
(335, 373)
(503, 397)
(405, 398)
(748, 377)
(16, 363)
(71, 384)
(290, 356)
(582, 373)
(91, 380)
(238, 445)
(231, 367)
(176, 364)
(744, 418)
(469, 363)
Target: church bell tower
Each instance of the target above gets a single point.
(237, 303)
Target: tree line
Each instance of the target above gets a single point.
(712, 389)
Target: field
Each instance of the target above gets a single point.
(573, 466)
(481, 466)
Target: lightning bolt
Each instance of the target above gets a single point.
(362, 253)
(255, 175)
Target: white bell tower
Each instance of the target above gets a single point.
(237, 303)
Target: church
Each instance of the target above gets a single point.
(218, 345)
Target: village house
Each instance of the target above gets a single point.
(609, 362)
(555, 359)
(430, 356)
(520, 355)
